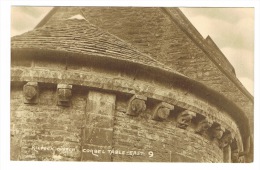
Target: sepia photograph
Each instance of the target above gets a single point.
(132, 84)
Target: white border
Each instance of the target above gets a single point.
(6, 164)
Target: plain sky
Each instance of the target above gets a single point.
(232, 29)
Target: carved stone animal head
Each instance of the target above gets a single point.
(203, 126)
(163, 113)
(137, 106)
(217, 132)
(184, 119)
(226, 140)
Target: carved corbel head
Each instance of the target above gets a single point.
(64, 94)
(162, 111)
(184, 119)
(217, 132)
(203, 126)
(30, 92)
(136, 105)
(226, 140)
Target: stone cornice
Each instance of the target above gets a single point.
(118, 85)
(123, 86)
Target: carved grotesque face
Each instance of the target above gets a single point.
(203, 126)
(218, 132)
(138, 106)
(163, 113)
(30, 92)
(64, 95)
(226, 140)
(184, 120)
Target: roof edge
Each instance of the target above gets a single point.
(190, 31)
(212, 44)
(47, 17)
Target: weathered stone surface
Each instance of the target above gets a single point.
(98, 136)
(35, 128)
(97, 81)
(163, 139)
(98, 129)
(227, 154)
(162, 111)
(30, 92)
(218, 132)
(226, 140)
(184, 119)
(99, 121)
(64, 93)
(100, 104)
(136, 105)
(203, 126)
(235, 156)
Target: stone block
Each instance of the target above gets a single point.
(136, 105)
(31, 93)
(217, 132)
(98, 136)
(162, 111)
(101, 103)
(203, 126)
(64, 94)
(99, 121)
(184, 119)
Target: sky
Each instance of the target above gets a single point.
(232, 29)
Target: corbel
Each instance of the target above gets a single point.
(226, 139)
(217, 132)
(64, 94)
(184, 119)
(31, 93)
(136, 105)
(162, 111)
(203, 126)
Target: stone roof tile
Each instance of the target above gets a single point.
(79, 36)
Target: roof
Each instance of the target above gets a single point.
(77, 35)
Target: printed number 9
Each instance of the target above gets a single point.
(150, 153)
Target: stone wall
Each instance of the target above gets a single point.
(45, 131)
(162, 139)
(84, 113)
